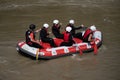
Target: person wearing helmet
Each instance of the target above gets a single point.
(76, 35)
(30, 37)
(68, 39)
(88, 35)
(56, 29)
(44, 35)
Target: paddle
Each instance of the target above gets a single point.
(37, 54)
(95, 48)
(80, 51)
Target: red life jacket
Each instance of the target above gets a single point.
(28, 40)
(66, 36)
(87, 32)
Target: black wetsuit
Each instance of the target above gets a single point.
(44, 37)
(28, 40)
(76, 35)
(56, 31)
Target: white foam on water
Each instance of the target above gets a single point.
(102, 49)
(13, 71)
(77, 58)
(14, 6)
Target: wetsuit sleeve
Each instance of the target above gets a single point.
(71, 39)
(59, 27)
(76, 28)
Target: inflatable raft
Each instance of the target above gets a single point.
(49, 52)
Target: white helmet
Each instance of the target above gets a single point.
(71, 21)
(68, 29)
(56, 21)
(45, 25)
(93, 28)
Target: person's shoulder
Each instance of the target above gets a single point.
(43, 30)
(53, 27)
(28, 31)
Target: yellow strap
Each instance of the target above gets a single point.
(37, 54)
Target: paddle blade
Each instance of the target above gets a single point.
(95, 49)
(81, 53)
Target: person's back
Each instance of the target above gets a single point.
(27, 36)
(29, 32)
(73, 31)
(30, 37)
(66, 36)
(88, 35)
(44, 35)
(56, 29)
(68, 40)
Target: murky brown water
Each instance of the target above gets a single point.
(16, 15)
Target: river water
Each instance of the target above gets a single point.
(15, 17)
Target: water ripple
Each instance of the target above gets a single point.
(85, 3)
(3, 60)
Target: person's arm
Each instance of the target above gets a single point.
(59, 26)
(71, 39)
(90, 37)
(38, 30)
(80, 27)
(32, 38)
